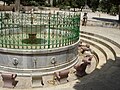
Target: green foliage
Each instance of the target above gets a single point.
(8, 1)
(34, 3)
(109, 6)
(94, 4)
(47, 5)
(113, 10)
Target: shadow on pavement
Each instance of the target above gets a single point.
(106, 78)
(105, 19)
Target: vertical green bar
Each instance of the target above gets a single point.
(53, 30)
(31, 20)
(63, 29)
(45, 33)
(73, 30)
(69, 29)
(13, 23)
(49, 31)
(40, 16)
(4, 34)
(9, 41)
(57, 30)
(79, 23)
(1, 29)
(26, 28)
(59, 38)
(5, 42)
(66, 29)
(22, 29)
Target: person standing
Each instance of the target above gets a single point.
(84, 22)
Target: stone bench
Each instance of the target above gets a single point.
(37, 81)
(84, 48)
(9, 80)
(80, 68)
(62, 76)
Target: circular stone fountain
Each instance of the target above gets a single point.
(58, 35)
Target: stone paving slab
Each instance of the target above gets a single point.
(111, 33)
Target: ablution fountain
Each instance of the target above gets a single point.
(41, 43)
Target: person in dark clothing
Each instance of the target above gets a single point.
(84, 22)
(13, 10)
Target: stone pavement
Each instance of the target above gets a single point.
(97, 16)
(111, 33)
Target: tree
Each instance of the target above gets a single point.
(110, 6)
(33, 2)
(9, 1)
(80, 3)
(93, 4)
(54, 3)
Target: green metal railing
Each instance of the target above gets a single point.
(38, 30)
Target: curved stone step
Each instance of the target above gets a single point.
(99, 51)
(111, 34)
(109, 52)
(94, 63)
(104, 39)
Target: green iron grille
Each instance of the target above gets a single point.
(38, 30)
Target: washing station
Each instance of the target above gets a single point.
(41, 43)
